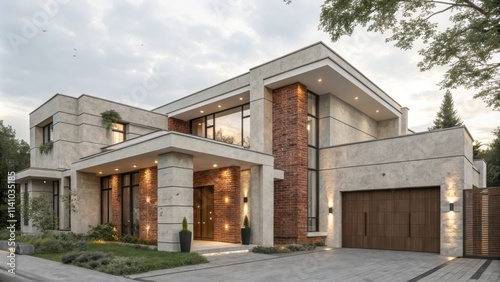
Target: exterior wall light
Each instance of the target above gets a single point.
(452, 206)
(330, 210)
(245, 199)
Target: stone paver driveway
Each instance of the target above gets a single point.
(333, 265)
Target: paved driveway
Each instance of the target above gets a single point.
(333, 265)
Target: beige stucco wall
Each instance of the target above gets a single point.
(440, 158)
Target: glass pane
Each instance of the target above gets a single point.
(210, 120)
(228, 126)
(118, 126)
(118, 137)
(311, 131)
(311, 157)
(126, 180)
(135, 179)
(246, 132)
(210, 132)
(198, 127)
(105, 207)
(126, 210)
(311, 104)
(135, 211)
(311, 193)
(246, 110)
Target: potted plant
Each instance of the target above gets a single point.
(185, 237)
(245, 232)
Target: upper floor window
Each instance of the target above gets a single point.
(118, 130)
(231, 126)
(48, 133)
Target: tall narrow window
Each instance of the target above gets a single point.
(118, 130)
(25, 202)
(55, 204)
(312, 164)
(105, 200)
(69, 203)
(130, 204)
(48, 133)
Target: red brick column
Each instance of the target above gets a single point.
(227, 201)
(148, 203)
(290, 155)
(116, 203)
(178, 125)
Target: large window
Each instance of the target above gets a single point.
(312, 164)
(118, 130)
(130, 204)
(55, 204)
(230, 126)
(105, 200)
(48, 133)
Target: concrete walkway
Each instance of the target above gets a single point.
(324, 264)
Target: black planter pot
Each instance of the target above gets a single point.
(245, 236)
(185, 240)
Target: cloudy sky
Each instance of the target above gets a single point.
(115, 49)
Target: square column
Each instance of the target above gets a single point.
(175, 198)
(262, 205)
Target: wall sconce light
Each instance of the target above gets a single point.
(330, 210)
(452, 206)
(245, 199)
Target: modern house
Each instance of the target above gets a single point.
(304, 145)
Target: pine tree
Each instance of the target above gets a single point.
(447, 115)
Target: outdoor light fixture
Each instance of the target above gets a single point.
(452, 206)
(245, 199)
(215, 165)
(134, 165)
(330, 210)
(156, 161)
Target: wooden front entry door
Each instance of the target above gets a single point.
(203, 200)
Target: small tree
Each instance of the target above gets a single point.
(492, 158)
(185, 227)
(447, 115)
(39, 211)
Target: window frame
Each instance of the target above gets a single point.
(47, 133)
(55, 204)
(213, 125)
(316, 169)
(123, 132)
(108, 190)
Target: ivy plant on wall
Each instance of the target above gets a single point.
(45, 148)
(109, 117)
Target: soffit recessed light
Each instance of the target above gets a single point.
(156, 161)
(319, 79)
(241, 98)
(100, 172)
(116, 169)
(355, 98)
(202, 112)
(215, 165)
(219, 106)
(377, 111)
(134, 165)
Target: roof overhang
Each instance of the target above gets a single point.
(142, 152)
(38, 173)
(326, 76)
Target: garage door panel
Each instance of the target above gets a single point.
(397, 219)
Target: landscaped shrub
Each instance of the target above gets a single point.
(105, 232)
(84, 258)
(129, 239)
(45, 245)
(285, 249)
(319, 244)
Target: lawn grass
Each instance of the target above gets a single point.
(143, 259)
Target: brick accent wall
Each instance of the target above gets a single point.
(116, 200)
(148, 203)
(290, 155)
(178, 125)
(227, 201)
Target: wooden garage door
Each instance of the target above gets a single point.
(397, 219)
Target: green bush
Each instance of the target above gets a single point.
(105, 232)
(44, 245)
(129, 239)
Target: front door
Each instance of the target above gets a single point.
(203, 200)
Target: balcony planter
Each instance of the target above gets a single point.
(185, 237)
(245, 232)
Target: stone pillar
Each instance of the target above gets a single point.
(175, 198)
(261, 128)
(65, 203)
(88, 206)
(262, 205)
(404, 120)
